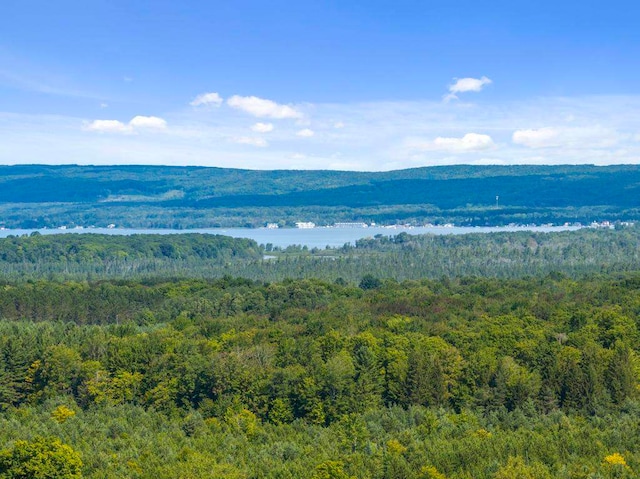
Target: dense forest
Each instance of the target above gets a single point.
(482, 356)
(182, 197)
(400, 257)
(457, 378)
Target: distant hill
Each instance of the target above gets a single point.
(38, 195)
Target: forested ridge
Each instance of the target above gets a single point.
(89, 248)
(99, 256)
(33, 196)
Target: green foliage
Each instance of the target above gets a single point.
(330, 470)
(62, 413)
(452, 378)
(517, 469)
(369, 281)
(40, 459)
(121, 255)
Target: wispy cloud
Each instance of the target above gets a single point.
(262, 127)
(137, 123)
(42, 84)
(207, 99)
(469, 142)
(380, 136)
(251, 140)
(263, 108)
(108, 126)
(463, 85)
(536, 138)
(564, 137)
(17, 72)
(305, 133)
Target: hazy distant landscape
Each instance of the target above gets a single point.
(195, 197)
(319, 240)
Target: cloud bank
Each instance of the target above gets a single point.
(379, 136)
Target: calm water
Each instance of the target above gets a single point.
(283, 237)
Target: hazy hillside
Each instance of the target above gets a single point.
(197, 196)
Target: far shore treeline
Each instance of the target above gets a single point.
(400, 257)
(36, 196)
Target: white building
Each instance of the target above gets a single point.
(350, 225)
(305, 225)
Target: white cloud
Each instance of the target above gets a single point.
(378, 136)
(469, 142)
(469, 84)
(577, 138)
(207, 99)
(108, 126)
(104, 105)
(338, 124)
(152, 122)
(540, 138)
(262, 108)
(463, 85)
(306, 133)
(250, 140)
(262, 127)
(137, 123)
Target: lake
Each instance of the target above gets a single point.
(319, 237)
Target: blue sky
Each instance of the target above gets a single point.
(365, 85)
